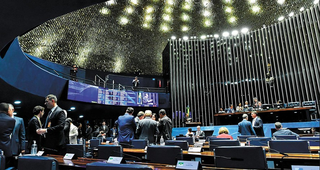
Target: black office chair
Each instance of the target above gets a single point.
(243, 138)
(105, 151)
(37, 162)
(285, 137)
(164, 154)
(219, 139)
(313, 141)
(217, 143)
(77, 149)
(246, 157)
(258, 141)
(208, 138)
(104, 166)
(189, 139)
(139, 143)
(289, 146)
(94, 143)
(182, 143)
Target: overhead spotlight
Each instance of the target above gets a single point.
(203, 37)
(302, 9)
(185, 38)
(134, 2)
(216, 35)
(173, 37)
(228, 10)
(280, 2)
(255, 9)
(17, 102)
(281, 18)
(252, 1)
(81, 116)
(244, 30)
(72, 108)
(225, 34)
(235, 32)
(315, 1)
(184, 28)
(291, 14)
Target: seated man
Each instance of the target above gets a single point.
(281, 131)
(230, 109)
(199, 134)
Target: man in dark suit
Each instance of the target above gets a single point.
(18, 137)
(54, 138)
(126, 127)
(257, 124)
(165, 125)
(33, 125)
(6, 128)
(244, 127)
(147, 128)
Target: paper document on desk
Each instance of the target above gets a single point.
(194, 149)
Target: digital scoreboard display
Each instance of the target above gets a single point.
(94, 94)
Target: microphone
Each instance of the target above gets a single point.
(132, 156)
(230, 158)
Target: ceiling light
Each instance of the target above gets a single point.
(184, 28)
(166, 17)
(149, 9)
(228, 9)
(146, 25)
(235, 32)
(252, 1)
(280, 2)
(315, 1)
(105, 11)
(73, 108)
(232, 19)
(134, 2)
(244, 30)
(17, 102)
(206, 13)
(281, 18)
(216, 35)
(291, 14)
(124, 20)
(164, 28)
(302, 9)
(255, 9)
(173, 37)
(225, 34)
(185, 38)
(81, 116)
(111, 2)
(185, 17)
(170, 2)
(203, 37)
(129, 10)
(148, 18)
(207, 23)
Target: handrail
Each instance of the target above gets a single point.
(99, 79)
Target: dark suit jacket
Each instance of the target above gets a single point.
(6, 128)
(18, 137)
(126, 128)
(258, 126)
(54, 138)
(165, 128)
(245, 128)
(33, 125)
(147, 128)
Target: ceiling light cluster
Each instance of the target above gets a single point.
(207, 13)
(187, 7)
(229, 11)
(254, 6)
(167, 16)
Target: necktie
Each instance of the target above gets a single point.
(47, 120)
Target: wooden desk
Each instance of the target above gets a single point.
(268, 116)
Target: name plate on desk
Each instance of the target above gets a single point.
(40, 153)
(192, 165)
(114, 160)
(68, 156)
(194, 149)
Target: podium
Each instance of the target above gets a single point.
(190, 124)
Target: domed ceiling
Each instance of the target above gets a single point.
(126, 36)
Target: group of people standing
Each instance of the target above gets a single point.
(143, 127)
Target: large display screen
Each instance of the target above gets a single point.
(94, 94)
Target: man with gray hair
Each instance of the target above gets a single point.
(147, 128)
(18, 136)
(245, 127)
(282, 131)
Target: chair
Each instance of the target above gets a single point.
(36, 162)
(110, 139)
(103, 166)
(139, 143)
(94, 143)
(312, 111)
(243, 138)
(210, 137)
(258, 141)
(234, 157)
(105, 151)
(285, 137)
(77, 149)
(182, 143)
(189, 139)
(313, 141)
(289, 146)
(217, 143)
(164, 154)
(219, 139)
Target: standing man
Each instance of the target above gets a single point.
(73, 133)
(88, 131)
(104, 128)
(6, 128)
(54, 138)
(147, 128)
(18, 137)
(257, 124)
(33, 125)
(199, 134)
(126, 127)
(139, 117)
(135, 82)
(165, 125)
(244, 127)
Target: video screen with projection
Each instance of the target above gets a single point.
(94, 94)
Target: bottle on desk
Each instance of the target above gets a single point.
(80, 141)
(161, 141)
(116, 142)
(34, 148)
